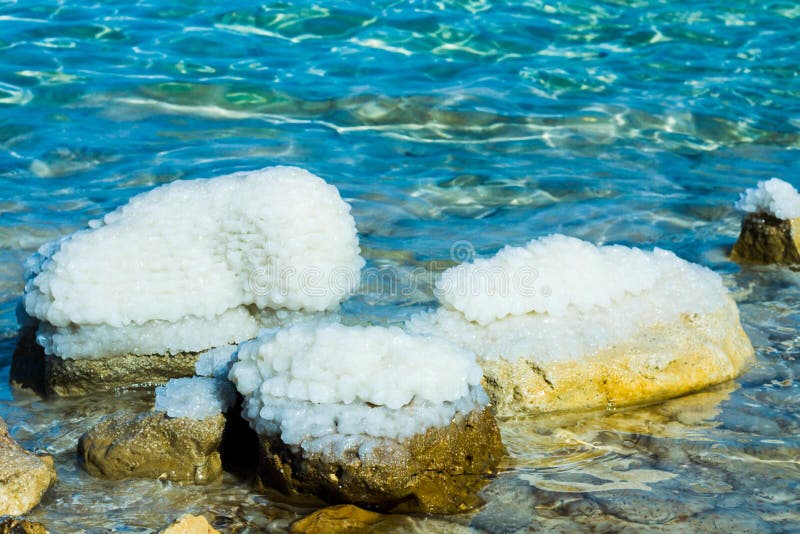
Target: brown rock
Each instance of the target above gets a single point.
(662, 362)
(344, 518)
(51, 375)
(13, 525)
(191, 524)
(766, 239)
(152, 445)
(438, 471)
(24, 477)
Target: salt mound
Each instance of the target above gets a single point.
(277, 238)
(193, 264)
(195, 398)
(325, 385)
(559, 275)
(774, 197)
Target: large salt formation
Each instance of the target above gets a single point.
(183, 268)
(771, 227)
(562, 324)
(369, 415)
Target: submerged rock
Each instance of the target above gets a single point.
(344, 518)
(13, 525)
(370, 416)
(191, 524)
(564, 325)
(24, 477)
(153, 445)
(438, 471)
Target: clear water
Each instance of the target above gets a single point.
(635, 122)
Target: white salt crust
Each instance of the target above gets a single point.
(191, 334)
(774, 197)
(216, 362)
(595, 297)
(196, 397)
(174, 268)
(277, 238)
(322, 386)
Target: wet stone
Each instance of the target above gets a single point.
(153, 445)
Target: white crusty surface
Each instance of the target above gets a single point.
(774, 197)
(278, 238)
(315, 382)
(582, 299)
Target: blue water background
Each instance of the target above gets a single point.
(635, 122)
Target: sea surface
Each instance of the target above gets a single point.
(453, 128)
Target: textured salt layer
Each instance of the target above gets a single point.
(584, 299)
(315, 381)
(774, 196)
(277, 238)
(195, 264)
(191, 334)
(196, 397)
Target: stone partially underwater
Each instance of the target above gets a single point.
(770, 232)
(154, 445)
(369, 416)
(603, 327)
(189, 266)
(24, 477)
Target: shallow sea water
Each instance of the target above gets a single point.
(453, 128)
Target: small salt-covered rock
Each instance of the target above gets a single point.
(370, 416)
(24, 477)
(154, 445)
(771, 227)
(562, 324)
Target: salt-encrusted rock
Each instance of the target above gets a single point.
(181, 269)
(153, 445)
(438, 471)
(771, 227)
(564, 325)
(369, 416)
(13, 525)
(24, 477)
(191, 524)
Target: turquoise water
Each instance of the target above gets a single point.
(636, 122)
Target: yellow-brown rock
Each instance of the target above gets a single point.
(153, 445)
(344, 518)
(765, 239)
(438, 471)
(661, 362)
(14, 525)
(24, 477)
(190, 524)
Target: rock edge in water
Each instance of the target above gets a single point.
(765, 239)
(51, 375)
(153, 445)
(24, 477)
(438, 471)
(662, 362)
